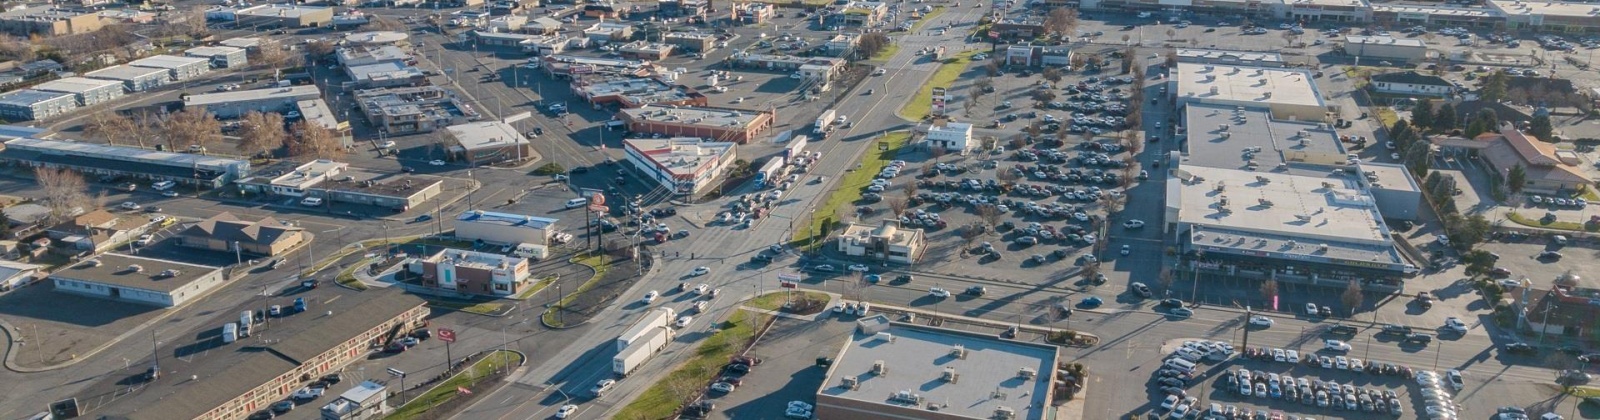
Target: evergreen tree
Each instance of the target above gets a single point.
(1422, 115)
(1540, 127)
(1494, 86)
(1445, 119)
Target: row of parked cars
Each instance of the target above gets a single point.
(1313, 392)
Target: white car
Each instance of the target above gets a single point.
(702, 289)
(436, 162)
(1454, 377)
(683, 321)
(169, 193)
(129, 205)
(1311, 309)
(1127, 249)
(1357, 365)
(700, 271)
(858, 267)
(1293, 356)
(1133, 224)
(1335, 345)
(722, 387)
(1455, 324)
(1341, 362)
(387, 144)
(1261, 321)
(938, 292)
(650, 297)
(307, 393)
(144, 240)
(566, 411)
(1170, 403)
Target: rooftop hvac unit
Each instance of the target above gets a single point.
(1214, 90)
(1227, 135)
(906, 397)
(885, 337)
(1222, 127)
(1326, 184)
(1323, 247)
(1263, 180)
(1210, 68)
(950, 375)
(958, 351)
(1223, 202)
(880, 368)
(135, 268)
(1291, 243)
(1303, 133)
(1262, 81)
(1221, 186)
(1264, 202)
(1268, 94)
(1322, 126)
(1027, 373)
(171, 273)
(851, 383)
(1005, 413)
(1303, 218)
(1305, 143)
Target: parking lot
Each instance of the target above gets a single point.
(788, 372)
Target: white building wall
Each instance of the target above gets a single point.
(500, 234)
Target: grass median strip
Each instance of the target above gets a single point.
(347, 277)
(537, 286)
(849, 189)
(921, 104)
(1559, 225)
(447, 390)
(774, 301)
(927, 18)
(663, 398)
(596, 261)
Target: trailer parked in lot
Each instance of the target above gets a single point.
(659, 318)
(630, 358)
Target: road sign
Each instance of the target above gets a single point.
(447, 335)
(396, 373)
(599, 208)
(789, 285)
(518, 117)
(788, 276)
(994, 34)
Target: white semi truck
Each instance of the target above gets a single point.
(659, 318)
(823, 121)
(640, 350)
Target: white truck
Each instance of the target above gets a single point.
(659, 318)
(630, 358)
(823, 121)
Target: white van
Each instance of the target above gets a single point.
(530, 251)
(230, 333)
(245, 320)
(1180, 364)
(163, 185)
(311, 202)
(577, 202)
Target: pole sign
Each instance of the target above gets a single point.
(938, 100)
(789, 285)
(447, 335)
(786, 277)
(396, 373)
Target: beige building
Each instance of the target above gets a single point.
(226, 232)
(886, 241)
(473, 272)
(49, 21)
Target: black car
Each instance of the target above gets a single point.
(977, 290)
(332, 378)
(422, 218)
(580, 170)
(738, 368)
(1571, 349)
(1325, 312)
(1520, 348)
(1419, 338)
(699, 409)
(1343, 330)
(1549, 255)
(1129, 27)
(422, 334)
(903, 278)
(1394, 329)
(1174, 302)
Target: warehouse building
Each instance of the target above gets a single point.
(288, 16)
(30, 105)
(1397, 193)
(87, 91)
(504, 228)
(120, 161)
(1288, 93)
(135, 79)
(891, 371)
(1547, 16)
(49, 21)
(407, 110)
(231, 381)
(386, 74)
(236, 103)
(719, 124)
(179, 68)
(1384, 48)
(485, 142)
(145, 281)
(686, 166)
(221, 57)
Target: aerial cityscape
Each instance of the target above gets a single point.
(799, 209)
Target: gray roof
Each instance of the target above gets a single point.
(29, 97)
(1276, 138)
(227, 227)
(918, 356)
(77, 84)
(150, 274)
(1411, 77)
(505, 219)
(229, 372)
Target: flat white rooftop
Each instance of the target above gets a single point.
(704, 117)
(1388, 176)
(1547, 8)
(485, 134)
(1383, 40)
(1435, 10)
(917, 357)
(1209, 54)
(169, 61)
(287, 11)
(77, 84)
(213, 51)
(1360, 4)
(127, 72)
(1246, 84)
(291, 93)
(28, 97)
(680, 156)
(1220, 136)
(1309, 209)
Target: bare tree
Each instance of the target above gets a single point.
(319, 48)
(982, 84)
(313, 141)
(937, 152)
(16, 49)
(1061, 21)
(856, 289)
(910, 189)
(1006, 175)
(1113, 203)
(990, 216)
(191, 127)
(1352, 296)
(1052, 74)
(273, 55)
(261, 132)
(65, 191)
(1165, 278)
(897, 205)
(1269, 289)
(109, 125)
(147, 129)
(970, 234)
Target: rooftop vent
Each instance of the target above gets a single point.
(906, 397)
(1263, 180)
(851, 383)
(880, 368)
(135, 268)
(950, 375)
(1264, 202)
(1323, 247)
(1004, 413)
(1027, 373)
(958, 351)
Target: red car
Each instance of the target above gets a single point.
(1500, 272)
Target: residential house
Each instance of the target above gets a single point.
(98, 231)
(226, 232)
(1411, 83)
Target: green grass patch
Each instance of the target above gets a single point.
(537, 286)
(1589, 194)
(596, 261)
(490, 363)
(1518, 218)
(887, 52)
(480, 308)
(347, 277)
(921, 104)
(1387, 117)
(849, 190)
(927, 18)
(661, 399)
(774, 301)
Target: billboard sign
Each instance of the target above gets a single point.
(447, 335)
(788, 277)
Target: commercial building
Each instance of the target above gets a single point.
(287, 16)
(136, 79)
(887, 241)
(636, 92)
(386, 74)
(367, 400)
(248, 43)
(316, 111)
(753, 13)
(507, 23)
(808, 67)
(119, 161)
(1230, 58)
(221, 57)
(472, 272)
(1288, 93)
(233, 380)
(145, 281)
(298, 180)
(228, 233)
(719, 124)
(892, 371)
(1385, 48)
(1330, 10)
(645, 50)
(485, 142)
(691, 41)
(569, 66)
(1037, 56)
(546, 45)
(332, 182)
(1546, 168)
(97, 231)
(178, 68)
(413, 109)
(1436, 15)
(951, 136)
(543, 25)
(1413, 83)
(29, 104)
(88, 92)
(1397, 193)
(857, 13)
(49, 21)
(504, 228)
(1547, 16)
(686, 166)
(501, 39)
(608, 32)
(236, 104)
